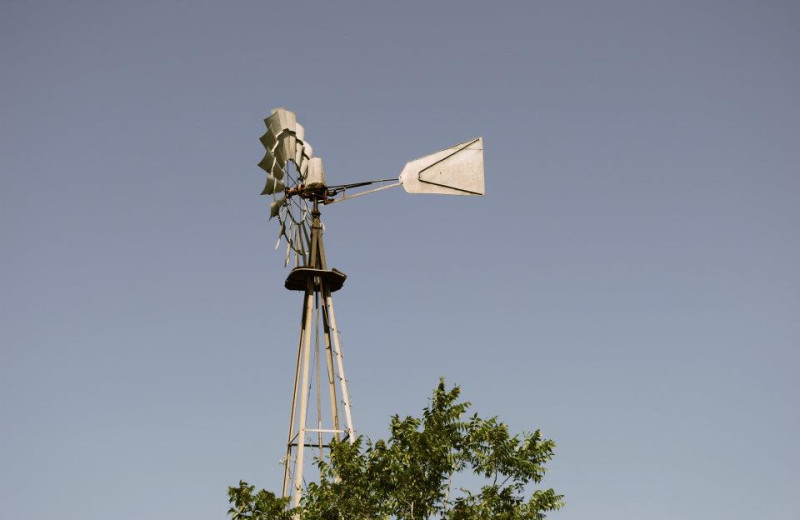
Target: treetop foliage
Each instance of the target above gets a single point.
(410, 474)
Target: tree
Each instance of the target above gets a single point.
(410, 474)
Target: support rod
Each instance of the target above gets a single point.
(340, 365)
(298, 471)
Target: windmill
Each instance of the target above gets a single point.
(296, 181)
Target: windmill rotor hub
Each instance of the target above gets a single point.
(316, 192)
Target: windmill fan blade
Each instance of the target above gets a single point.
(283, 124)
(281, 119)
(302, 164)
(272, 166)
(304, 169)
(280, 155)
(285, 230)
(273, 186)
(458, 170)
(269, 140)
(305, 154)
(275, 207)
(280, 234)
(267, 162)
(277, 170)
(300, 135)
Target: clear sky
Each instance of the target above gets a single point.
(629, 284)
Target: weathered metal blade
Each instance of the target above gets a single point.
(273, 186)
(305, 154)
(281, 119)
(300, 134)
(280, 234)
(280, 154)
(304, 168)
(269, 140)
(267, 162)
(458, 170)
(277, 170)
(275, 207)
(283, 123)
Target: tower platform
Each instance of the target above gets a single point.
(298, 278)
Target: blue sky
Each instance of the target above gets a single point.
(628, 284)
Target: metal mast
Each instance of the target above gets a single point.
(317, 283)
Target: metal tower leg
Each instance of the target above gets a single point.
(316, 284)
(304, 390)
(331, 373)
(301, 390)
(337, 352)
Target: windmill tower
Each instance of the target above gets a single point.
(296, 181)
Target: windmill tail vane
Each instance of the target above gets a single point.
(295, 179)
